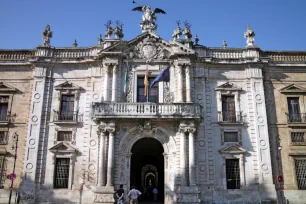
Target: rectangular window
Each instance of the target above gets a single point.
(152, 93)
(300, 170)
(3, 107)
(67, 108)
(298, 138)
(3, 137)
(61, 173)
(228, 108)
(64, 136)
(294, 110)
(232, 174)
(2, 171)
(231, 137)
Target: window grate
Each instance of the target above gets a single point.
(61, 173)
(300, 169)
(64, 136)
(298, 138)
(231, 137)
(2, 171)
(3, 137)
(232, 174)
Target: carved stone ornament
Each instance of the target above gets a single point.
(47, 35)
(104, 198)
(149, 49)
(250, 37)
(168, 96)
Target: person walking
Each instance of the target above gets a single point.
(155, 193)
(133, 195)
(119, 194)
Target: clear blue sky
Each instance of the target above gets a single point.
(278, 24)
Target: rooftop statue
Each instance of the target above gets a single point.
(47, 34)
(148, 17)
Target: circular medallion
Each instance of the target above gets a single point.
(34, 118)
(202, 143)
(37, 96)
(91, 167)
(93, 143)
(199, 96)
(31, 141)
(29, 166)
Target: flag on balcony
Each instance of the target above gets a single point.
(146, 81)
(126, 76)
(163, 76)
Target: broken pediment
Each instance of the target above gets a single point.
(293, 88)
(67, 86)
(6, 88)
(62, 147)
(232, 149)
(228, 86)
(147, 46)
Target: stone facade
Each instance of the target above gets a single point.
(285, 80)
(83, 130)
(16, 83)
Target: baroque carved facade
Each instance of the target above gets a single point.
(85, 125)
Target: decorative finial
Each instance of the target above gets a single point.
(196, 39)
(177, 32)
(47, 35)
(249, 35)
(75, 44)
(100, 40)
(224, 44)
(118, 31)
(109, 30)
(148, 18)
(187, 31)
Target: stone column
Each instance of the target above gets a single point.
(180, 83)
(114, 84)
(106, 80)
(111, 154)
(188, 84)
(182, 156)
(192, 173)
(101, 172)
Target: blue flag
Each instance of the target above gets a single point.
(163, 76)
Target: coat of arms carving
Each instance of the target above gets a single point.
(149, 49)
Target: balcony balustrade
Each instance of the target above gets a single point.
(146, 110)
(67, 117)
(296, 118)
(298, 138)
(230, 117)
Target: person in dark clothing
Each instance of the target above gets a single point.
(119, 194)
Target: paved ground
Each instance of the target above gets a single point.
(150, 202)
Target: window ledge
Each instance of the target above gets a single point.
(63, 122)
(230, 123)
(4, 123)
(298, 124)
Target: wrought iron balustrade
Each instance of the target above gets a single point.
(147, 110)
(296, 118)
(3, 138)
(72, 116)
(230, 116)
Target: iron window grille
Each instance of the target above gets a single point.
(4, 108)
(3, 137)
(61, 173)
(232, 174)
(300, 170)
(298, 138)
(231, 137)
(64, 136)
(2, 171)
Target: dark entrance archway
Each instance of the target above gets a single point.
(147, 168)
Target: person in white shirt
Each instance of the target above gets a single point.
(133, 195)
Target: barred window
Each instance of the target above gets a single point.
(64, 136)
(3, 137)
(232, 174)
(61, 173)
(298, 138)
(2, 171)
(3, 107)
(231, 137)
(300, 170)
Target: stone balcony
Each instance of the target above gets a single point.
(147, 110)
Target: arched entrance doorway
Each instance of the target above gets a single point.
(147, 168)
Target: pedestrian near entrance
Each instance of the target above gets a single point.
(119, 194)
(155, 193)
(133, 195)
